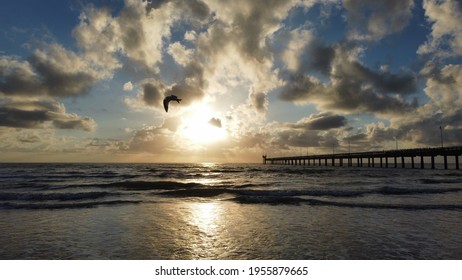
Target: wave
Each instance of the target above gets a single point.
(55, 196)
(230, 170)
(148, 185)
(350, 193)
(272, 200)
(206, 192)
(250, 185)
(317, 192)
(440, 181)
(179, 189)
(56, 206)
(407, 191)
(277, 200)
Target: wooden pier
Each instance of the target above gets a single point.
(385, 159)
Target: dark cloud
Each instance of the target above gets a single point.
(187, 93)
(299, 88)
(72, 121)
(132, 31)
(324, 121)
(189, 90)
(259, 101)
(384, 82)
(194, 73)
(36, 114)
(196, 8)
(351, 96)
(320, 130)
(12, 117)
(353, 87)
(53, 72)
(152, 96)
(296, 138)
(215, 122)
(322, 57)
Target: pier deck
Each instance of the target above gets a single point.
(374, 158)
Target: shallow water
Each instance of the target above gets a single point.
(228, 211)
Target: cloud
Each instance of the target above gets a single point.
(298, 39)
(128, 86)
(285, 137)
(193, 8)
(443, 87)
(443, 108)
(373, 20)
(259, 101)
(137, 33)
(351, 88)
(320, 130)
(172, 123)
(446, 36)
(322, 59)
(324, 121)
(186, 92)
(237, 45)
(300, 88)
(152, 95)
(154, 140)
(215, 122)
(52, 71)
(29, 138)
(179, 52)
(40, 114)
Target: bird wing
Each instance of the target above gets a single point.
(166, 104)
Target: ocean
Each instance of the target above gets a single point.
(228, 211)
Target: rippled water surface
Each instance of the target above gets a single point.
(228, 211)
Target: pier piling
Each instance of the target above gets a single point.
(404, 154)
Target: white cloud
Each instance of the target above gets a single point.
(137, 33)
(190, 35)
(299, 39)
(179, 52)
(446, 19)
(444, 88)
(128, 86)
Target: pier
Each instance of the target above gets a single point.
(384, 159)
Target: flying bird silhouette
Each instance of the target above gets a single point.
(167, 99)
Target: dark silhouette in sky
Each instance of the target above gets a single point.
(168, 99)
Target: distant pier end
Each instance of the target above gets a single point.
(390, 158)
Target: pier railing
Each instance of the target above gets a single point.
(383, 158)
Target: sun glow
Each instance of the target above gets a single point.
(201, 126)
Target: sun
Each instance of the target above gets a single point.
(200, 126)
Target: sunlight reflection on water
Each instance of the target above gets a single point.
(206, 216)
(206, 228)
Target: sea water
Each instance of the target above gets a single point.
(228, 211)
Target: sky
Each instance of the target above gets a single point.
(84, 81)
